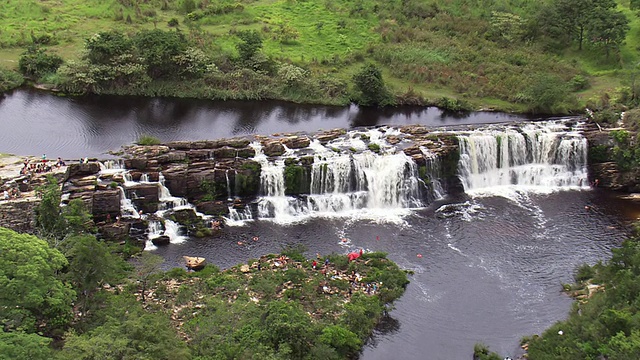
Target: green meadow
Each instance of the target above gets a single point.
(427, 50)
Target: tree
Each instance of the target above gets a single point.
(371, 87)
(49, 222)
(595, 20)
(33, 297)
(159, 49)
(20, 345)
(91, 264)
(36, 62)
(103, 47)
(148, 266)
(545, 93)
(574, 17)
(250, 43)
(128, 332)
(608, 28)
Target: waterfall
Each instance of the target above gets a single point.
(347, 178)
(144, 178)
(153, 231)
(273, 202)
(433, 173)
(168, 201)
(111, 166)
(238, 217)
(172, 230)
(537, 157)
(126, 206)
(226, 176)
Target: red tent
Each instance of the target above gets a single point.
(352, 256)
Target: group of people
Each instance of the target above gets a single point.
(42, 166)
(10, 193)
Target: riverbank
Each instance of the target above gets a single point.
(462, 58)
(326, 300)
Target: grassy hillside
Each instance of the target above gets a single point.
(426, 49)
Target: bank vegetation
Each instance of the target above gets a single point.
(545, 56)
(68, 295)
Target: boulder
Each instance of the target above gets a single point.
(272, 147)
(225, 153)
(219, 208)
(195, 155)
(115, 231)
(185, 216)
(161, 240)
(105, 202)
(89, 180)
(296, 142)
(235, 142)
(82, 169)
(173, 156)
(145, 197)
(329, 135)
(176, 179)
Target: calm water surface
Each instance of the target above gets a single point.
(34, 122)
(490, 272)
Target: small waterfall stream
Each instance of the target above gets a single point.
(537, 157)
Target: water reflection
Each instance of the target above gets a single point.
(34, 122)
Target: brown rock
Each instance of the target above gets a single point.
(81, 169)
(272, 147)
(296, 142)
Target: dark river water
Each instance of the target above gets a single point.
(34, 122)
(490, 272)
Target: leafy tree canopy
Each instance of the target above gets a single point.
(32, 297)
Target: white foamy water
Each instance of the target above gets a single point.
(540, 158)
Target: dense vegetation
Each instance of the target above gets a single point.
(542, 56)
(68, 295)
(605, 323)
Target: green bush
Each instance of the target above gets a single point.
(579, 83)
(584, 272)
(36, 62)
(481, 352)
(9, 80)
(546, 94)
(370, 87)
(147, 140)
(374, 147)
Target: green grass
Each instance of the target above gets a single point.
(424, 49)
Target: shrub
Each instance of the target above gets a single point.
(146, 140)
(173, 22)
(583, 272)
(370, 87)
(579, 82)
(9, 80)
(35, 62)
(546, 93)
(481, 352)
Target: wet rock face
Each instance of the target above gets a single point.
(80, 170)
(218, 208)
(18, 215)
(105, 204)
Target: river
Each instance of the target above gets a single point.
(487, 265)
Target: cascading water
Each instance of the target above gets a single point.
(347, 177)
(154, 230)
(168, 201)
(539, 157)
(126, 206)
(433, 173)
(172, 230)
